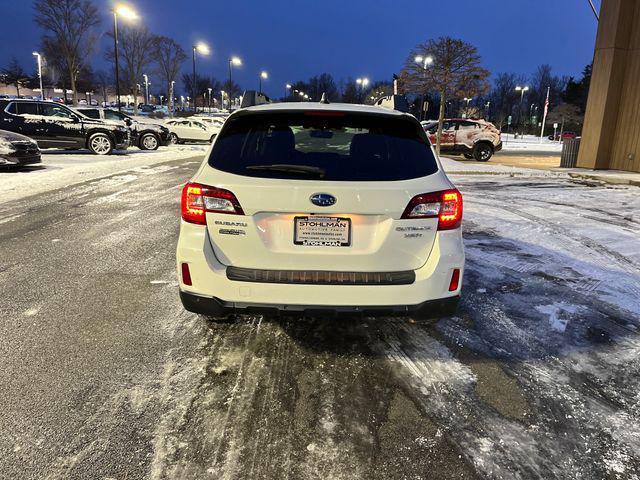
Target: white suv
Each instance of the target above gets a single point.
(316, 208)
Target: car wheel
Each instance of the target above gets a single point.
(482, 152)
(100, 144)
(468, 156)
(173, 138)
(149, 142)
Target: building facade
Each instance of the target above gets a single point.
(611, 133)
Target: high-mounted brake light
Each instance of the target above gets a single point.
(199, 199)
(324, 113)
(445, 205)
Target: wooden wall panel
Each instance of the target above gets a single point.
(625, 154)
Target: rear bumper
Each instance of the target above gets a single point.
(210, 281)
(214, 307)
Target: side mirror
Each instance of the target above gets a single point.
(75, 119)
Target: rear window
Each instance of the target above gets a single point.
(323, 146)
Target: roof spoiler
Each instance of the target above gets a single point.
(393, 102)
(251, 98)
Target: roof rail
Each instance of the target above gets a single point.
(251, 98)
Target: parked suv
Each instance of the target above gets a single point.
(56, 126)
(316, 208)
(475, 139)
(146, 136)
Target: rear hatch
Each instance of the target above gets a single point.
(320, 190)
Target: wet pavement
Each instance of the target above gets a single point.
(105, 376)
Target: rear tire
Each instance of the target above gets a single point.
(173, 139)
(100, 144)
(482, 152)
(149, 141)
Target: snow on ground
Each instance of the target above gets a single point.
(529, 143)
(454, 167)
(59, 168)
(552, 292)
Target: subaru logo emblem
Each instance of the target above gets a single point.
(323, 199)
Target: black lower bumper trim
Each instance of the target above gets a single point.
(214, 307)
(317, 277)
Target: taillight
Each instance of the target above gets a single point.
(445, 205)
(198, 199)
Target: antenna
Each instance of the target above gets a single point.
(324, 99)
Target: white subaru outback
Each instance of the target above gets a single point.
(320, 208)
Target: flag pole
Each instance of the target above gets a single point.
(544, 117)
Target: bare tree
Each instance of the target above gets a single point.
(454, 72)
(135, 47)
(504, 96)
(169, 57)
(69, 27)
(14, 74)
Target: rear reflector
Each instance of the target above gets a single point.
(186, 275)
(445, 205)
(455, 280)
(199, 199)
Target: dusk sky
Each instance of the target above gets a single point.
(347, 38)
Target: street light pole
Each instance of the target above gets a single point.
(127, 13)
(37, 55)
(172, 103)
(423, 61)
(115, 49)
(146, 89)
(287, 87)
(521, 90)
(209, 90)
(204, 50)
(262, 75)
(193, 83)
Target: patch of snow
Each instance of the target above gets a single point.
(557, 320)
(60, 169)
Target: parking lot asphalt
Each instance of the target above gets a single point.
(105, 376)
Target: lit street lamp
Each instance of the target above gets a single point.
(127, 13)
(263, 76)
(362, 82)
(203, 49)
(37, 55)
(521, 90)
(232, 61)
(424, 62)
(287, 87)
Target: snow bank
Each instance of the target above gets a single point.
(60, 168)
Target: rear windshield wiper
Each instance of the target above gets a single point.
(285, 167)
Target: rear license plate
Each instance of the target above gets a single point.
(322, 231)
